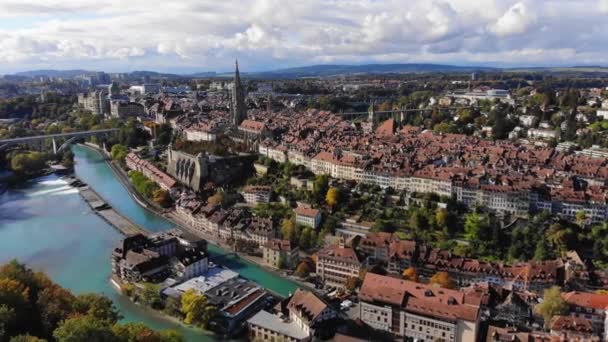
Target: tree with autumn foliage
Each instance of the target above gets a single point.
(332, 197)
(161, 197)
(352, 283)
(216, 199)
(303, 269)
(196, 309)
(410, 274)
(34, 308)
(443, 279)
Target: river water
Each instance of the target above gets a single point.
(48, 226)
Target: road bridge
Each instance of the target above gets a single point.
(71, 138)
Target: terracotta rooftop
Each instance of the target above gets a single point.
(587, 299)
(571, 323)
(307, 303)
(252, 125)
(337, 253)
(306, 211)
(279, 245)
(416, 297)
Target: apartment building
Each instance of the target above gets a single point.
(376, 246)
(280, 253)
(419, 311)
(307, 216)
(255, 194)
(336, 264)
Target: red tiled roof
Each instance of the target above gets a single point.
(587, 299)
(571, 323)
(416, 297)
(252, 125)
(279, 245)
(305, 211)
(308, 303)
(344, 254)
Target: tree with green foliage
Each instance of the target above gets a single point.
(307, 238)
(8, 317)
(142, 184)
(282, 263)
(319, 189)
(135, 332)
(67, 158)
(541, 252)
(151, 296)
(28, 163)
(288, 229)
(119, 152)
(552, 304)
(581, 218)
(26, 338)
(172, 307)
(83, 328)
(164, 134)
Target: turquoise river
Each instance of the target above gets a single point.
(47, 225)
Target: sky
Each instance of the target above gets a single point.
(204, 35)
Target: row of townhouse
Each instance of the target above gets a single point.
(135, 163)
(517, 200)
(228, 224)
(400, 254)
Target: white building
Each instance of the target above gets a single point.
(307, 216)
(542, 133)
(255, 194)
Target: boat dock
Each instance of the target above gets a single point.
(105, 211)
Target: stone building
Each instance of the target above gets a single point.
(194, 171)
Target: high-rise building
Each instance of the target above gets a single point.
(237, 107)
(114, 89)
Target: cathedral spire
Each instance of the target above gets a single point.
(238, 109)
(237, 76)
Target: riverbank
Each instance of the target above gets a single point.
(175, 221)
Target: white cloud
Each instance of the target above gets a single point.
(516, 20)
(208, 35)
(603, 6)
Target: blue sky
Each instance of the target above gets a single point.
(204, 35)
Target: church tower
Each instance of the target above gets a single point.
(372, 117)
(237, 106)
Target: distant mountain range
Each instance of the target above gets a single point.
(335, 70)
(52, 73)
(329, 70)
